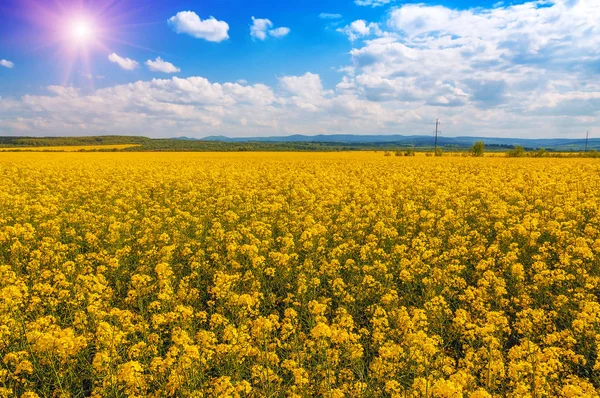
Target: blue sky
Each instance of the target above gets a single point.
(239, 68)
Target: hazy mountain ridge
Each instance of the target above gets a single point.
(416, 140)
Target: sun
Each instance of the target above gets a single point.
(78, 32)
(81, 31)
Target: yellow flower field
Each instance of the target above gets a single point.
(67, 148)
(298, 275)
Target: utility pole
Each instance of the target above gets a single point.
(437, 125)
(587, 136)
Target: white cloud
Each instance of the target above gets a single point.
(415, 19)
(210, 29)
(307, 86)
(124, 63)
(193, 106)
(300, 105)
(261, 28)
(92, 77)
(158, 65)
(503, 59)
(6, 63)
(326, 15)
(360, 28)
(279, 32)
(372, 3)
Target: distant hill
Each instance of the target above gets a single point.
(421, 141)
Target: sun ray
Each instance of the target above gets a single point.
(69, 63)
(137, 25)
(107, 5)
(80, 30)
(130, 44)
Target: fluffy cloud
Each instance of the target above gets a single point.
(279, 32)
(308, 85)
(158, 65)
(6, 63)
(326, 15)
(210, 29)
(124, 63)
(261, 28)
(372, 3)
(360, 28)
(299, 105)
(193, 106)
(506, 64)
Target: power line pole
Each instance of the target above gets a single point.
(437, 125)
(587, 136)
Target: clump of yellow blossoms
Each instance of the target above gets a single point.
(298, 275)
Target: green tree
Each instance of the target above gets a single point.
(517, 152)
(592, 154)
(477, 149)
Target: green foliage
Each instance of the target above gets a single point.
(6, 142)
(438, 152)
(540, 153)
(477, 149)
(408, 152)
(171, 145)
(517, 152)
(592, 154)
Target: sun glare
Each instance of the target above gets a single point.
(81, 31)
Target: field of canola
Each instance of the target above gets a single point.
(298, 275)
(69, 148)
